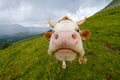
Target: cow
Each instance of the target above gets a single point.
(66, 40)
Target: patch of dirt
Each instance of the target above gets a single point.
(108, 77)
(89, 53)
(107, 46)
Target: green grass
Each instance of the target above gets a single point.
(29, 60)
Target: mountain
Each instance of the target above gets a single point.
(29, 60)
(10, 29)
(16, 32)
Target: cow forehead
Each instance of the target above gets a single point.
(65, 25)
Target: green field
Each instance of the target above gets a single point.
(29, 60)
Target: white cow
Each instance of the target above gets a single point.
(66, 40)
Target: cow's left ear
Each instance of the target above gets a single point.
(85, 34)
(48, 35)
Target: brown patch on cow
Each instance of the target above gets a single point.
(107, 46)
(64, 18)
(85, 34)
(48, 35)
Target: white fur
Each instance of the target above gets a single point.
(64, 65)
(65, 25)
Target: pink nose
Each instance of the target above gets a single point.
(65, 37)
(73, 36)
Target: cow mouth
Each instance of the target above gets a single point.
(65, 50)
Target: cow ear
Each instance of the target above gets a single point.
(48, 35)
(85, 34)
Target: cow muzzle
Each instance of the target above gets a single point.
(65, 44)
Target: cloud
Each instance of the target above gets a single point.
(15, 14)
(36, 12)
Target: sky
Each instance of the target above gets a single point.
(37, 12)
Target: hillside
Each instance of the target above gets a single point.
(28, 60)
(113, 4)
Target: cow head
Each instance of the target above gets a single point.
(66, 39)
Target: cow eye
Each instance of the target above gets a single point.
(78, 30)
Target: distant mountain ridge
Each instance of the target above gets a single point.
(16, 32)
(10, 29)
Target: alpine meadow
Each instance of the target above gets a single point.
(29, 60)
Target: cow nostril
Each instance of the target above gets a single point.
(74, 36)
(56, 36)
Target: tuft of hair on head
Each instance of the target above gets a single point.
(64, 18)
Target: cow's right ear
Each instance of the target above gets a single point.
(48, 35)
(85, 34)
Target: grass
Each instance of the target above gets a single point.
(29, 60)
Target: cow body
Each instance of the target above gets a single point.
(66, 41)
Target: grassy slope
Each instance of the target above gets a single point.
(113, 4)
(28, 60)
